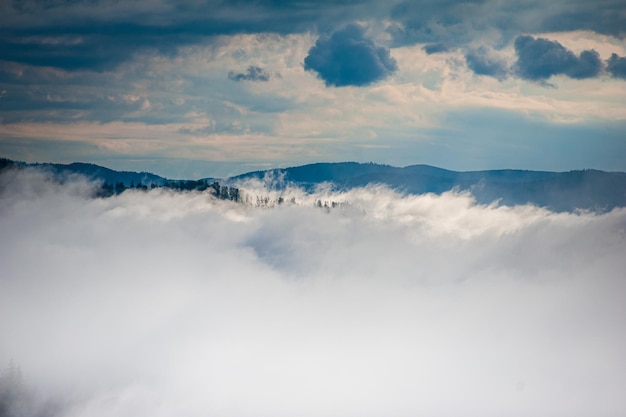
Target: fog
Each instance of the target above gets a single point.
(177, 304)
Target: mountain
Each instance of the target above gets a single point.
(560, 191)
(92, 172)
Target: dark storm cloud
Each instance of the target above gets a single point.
(607, 17)
(85, 53)
(616, 66)
(457, 22)
(433, 22)
(349, 58)
(482, 63)
(253, 73)
(539, 59)
(100, 35)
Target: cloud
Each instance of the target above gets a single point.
(483, 62)
(61, 56)
(170, 304)
(435, 48)
(99, 36)
(616, 66)
(349, 58)
(457, 23)
(253, 73)
(539, 59)
(606, 17)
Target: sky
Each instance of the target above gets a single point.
(200, 88)
(171, 304)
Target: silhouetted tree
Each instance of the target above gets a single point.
(119, 188)
(216, 188)
(234, 194)
(106, 190)
(224, 194)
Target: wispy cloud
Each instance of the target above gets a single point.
(483, 62)
(253, 73)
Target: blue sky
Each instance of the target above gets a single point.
(195, 88)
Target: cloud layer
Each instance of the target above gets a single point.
(178, 304)
(85, 34)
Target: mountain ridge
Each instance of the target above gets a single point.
(588, 189)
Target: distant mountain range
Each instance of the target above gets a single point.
(91, 171)
(560, 191)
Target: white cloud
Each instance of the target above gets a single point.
(177, 304)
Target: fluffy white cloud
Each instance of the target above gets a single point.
(177, 304)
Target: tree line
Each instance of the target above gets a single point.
(222, 192)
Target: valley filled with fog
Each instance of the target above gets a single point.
(162, 303)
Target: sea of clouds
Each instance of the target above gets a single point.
(178, 304)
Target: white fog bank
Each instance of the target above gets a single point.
(176, 304)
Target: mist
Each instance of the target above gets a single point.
(178, 304)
